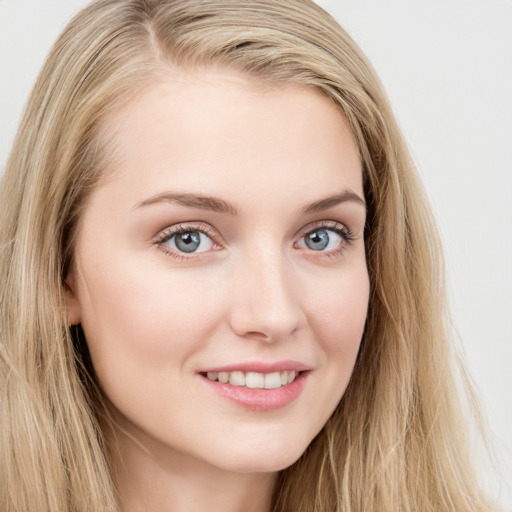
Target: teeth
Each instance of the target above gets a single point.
(237, 378)
(272, 380)
(255, 380)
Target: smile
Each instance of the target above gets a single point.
(254, 380)
(269, 389)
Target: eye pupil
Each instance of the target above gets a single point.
(188, 241)
(317, 240)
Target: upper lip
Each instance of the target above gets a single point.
(260, 367)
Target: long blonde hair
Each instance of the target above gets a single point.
(396, 441)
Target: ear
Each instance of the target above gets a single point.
(73, 309)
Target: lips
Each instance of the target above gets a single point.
(258, 386)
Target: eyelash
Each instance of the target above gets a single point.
(343, 231)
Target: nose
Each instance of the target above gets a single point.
(264, 298)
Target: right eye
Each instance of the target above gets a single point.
(188, 241)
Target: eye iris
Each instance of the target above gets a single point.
(317, 240)
(188, 241)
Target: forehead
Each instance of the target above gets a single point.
(211, 127)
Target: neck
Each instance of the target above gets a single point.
(150, 478)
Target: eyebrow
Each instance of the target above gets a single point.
(191, 201)
(220, 206)
(331, 201)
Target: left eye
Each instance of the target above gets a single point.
(321, 240)
(190, 241)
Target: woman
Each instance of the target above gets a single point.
(221, 282)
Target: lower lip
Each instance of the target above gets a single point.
(260, 399)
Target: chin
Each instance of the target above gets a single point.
(263, 459)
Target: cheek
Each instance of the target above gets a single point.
(337, 311)
(136, 322)
(337, 316)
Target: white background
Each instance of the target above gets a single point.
(447, 66)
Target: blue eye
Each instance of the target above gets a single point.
(190, 241)
(321, 239)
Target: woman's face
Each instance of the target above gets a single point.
(227, 244)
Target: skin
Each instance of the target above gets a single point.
(154, 318)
